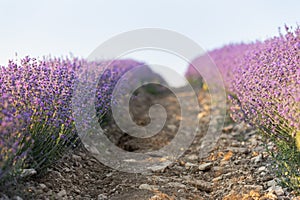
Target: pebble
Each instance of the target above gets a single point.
(176, 185)
(261, 169)
(77, 191)
(277, 190)
(236, 162)
(62, 193)
(39, 191)
(109, 174)
(235, 144)
(229, 174)
(263, 173)
(102, 197)
(148, 187)
(78, 164)
(257, 159)
(267, 178)
(271, 183)
(205, 166)
(172, 127)
(76, 157)
(238, 150)
(218, 168)
(90, 163)
(224, 162)
(28, 172)
(192, 157)
(271, 196)
(42, 186)
(82, 155)
(17, 198)
(66, 169)
(202, 185)
(58, 174)
(254, 187)
(189, 165)
(227, 129)
(49, 193)
(217, 179)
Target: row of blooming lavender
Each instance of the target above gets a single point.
(36, 123)
(263, 82)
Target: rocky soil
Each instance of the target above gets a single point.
(238, 167)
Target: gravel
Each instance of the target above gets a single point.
(238, 167)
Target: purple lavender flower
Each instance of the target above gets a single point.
(36, 111)
(263, 77)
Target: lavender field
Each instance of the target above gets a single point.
(262, 81)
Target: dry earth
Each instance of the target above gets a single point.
(238, 166)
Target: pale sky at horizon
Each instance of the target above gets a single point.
(58, 27)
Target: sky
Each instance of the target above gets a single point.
(61, 27)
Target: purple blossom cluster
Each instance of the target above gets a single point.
(263, 80)
(36, 122)
(225, 58)
(266, 83)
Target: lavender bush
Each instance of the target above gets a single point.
(36, 123)
(12, 149)
(263, 82)
(266, 84)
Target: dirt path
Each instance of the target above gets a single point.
(237, 168)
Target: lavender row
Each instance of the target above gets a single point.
(36, 122)
(263, 79)
(263, 82)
